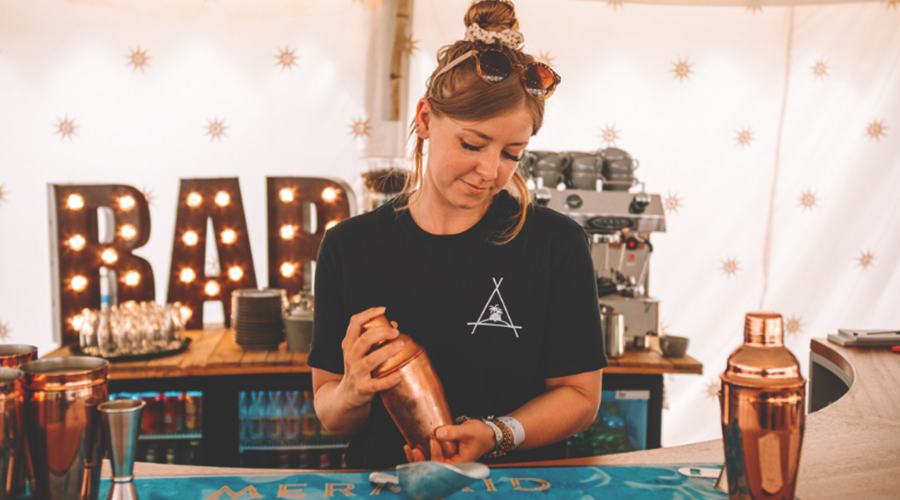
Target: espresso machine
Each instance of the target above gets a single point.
(599, 191)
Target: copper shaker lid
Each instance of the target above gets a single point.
(410, 349)
(763, 361)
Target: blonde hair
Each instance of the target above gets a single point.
(461, 94)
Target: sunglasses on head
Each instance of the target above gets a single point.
(494, 66)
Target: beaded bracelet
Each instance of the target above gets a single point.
(506, 443)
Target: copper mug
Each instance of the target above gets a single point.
(417, 404)
(11, 435)
(62, 425)
(763, 420)
(12, 356)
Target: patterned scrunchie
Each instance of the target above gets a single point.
(511, 38)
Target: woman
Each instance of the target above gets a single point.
(501, 294)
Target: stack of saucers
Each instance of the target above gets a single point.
(256, 317)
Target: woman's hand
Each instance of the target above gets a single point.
(473, 439)
(357, 385)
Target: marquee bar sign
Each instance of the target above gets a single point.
(78, 254)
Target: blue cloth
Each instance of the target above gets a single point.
(568, 483)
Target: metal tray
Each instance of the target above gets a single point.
(76, 349)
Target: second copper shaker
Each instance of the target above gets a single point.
(417, 404)
(763, 415)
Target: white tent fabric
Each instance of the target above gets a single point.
(772, 134)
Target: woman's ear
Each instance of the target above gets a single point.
(423, 118)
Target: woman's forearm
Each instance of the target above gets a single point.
(341, 419)
(567, 408)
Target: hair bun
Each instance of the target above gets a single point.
(492, 15)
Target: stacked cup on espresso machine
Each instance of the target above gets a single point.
(594, 189)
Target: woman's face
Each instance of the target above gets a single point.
(470, 162)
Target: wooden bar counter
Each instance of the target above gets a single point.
(213, 352)
(851, 449)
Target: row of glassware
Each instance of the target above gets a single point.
(132, 328)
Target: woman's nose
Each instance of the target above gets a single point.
(488, 167)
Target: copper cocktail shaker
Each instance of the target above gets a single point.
(13, 355)
(62, 425)
(417, 404)
(763, 417)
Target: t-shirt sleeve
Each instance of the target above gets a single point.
(329, 318)
(573, 342)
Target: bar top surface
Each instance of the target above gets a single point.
(851, 448)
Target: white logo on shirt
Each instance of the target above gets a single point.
(497, 311)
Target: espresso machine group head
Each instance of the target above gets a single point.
(619, 223)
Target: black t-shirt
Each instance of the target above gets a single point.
(496, 320)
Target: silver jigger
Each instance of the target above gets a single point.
(121, 420)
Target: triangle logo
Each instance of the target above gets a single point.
(495, 313)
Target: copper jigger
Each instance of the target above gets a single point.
(11, 435)
(417, 404)
(763, 415)
(62, 425)
(121, 420)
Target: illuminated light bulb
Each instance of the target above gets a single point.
(229, 236)
(330, 225)
(109, 256)
(190, 238)
(126, 203)
(222, 198)
(287, 231)
(287, 269)
(212, 288)
(75, 201)
(186, 313)
(79, 283)
(77, 242)
(77, 322)
(132, 278)
(235, 273)
(329, 194)
(128, 232)
(188, 275)
(287, 195)
(194, 200)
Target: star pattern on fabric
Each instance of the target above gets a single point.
(148, 195)
(410, 45)
(866, 259)
(615, 4)
(892, 4)
(730, 267)
(744, 136)
(286, 58)
(820, 68)
(5, 331)
(753, 9)
(876, 129)
(66, 127)
(545, 57)
(215, 129)
(672, 203)
(2, 194)
(712, 389)
(360, 128)
(808, 200)
(793, 325)
(138, 59)
(609, 135)
(682, 69)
